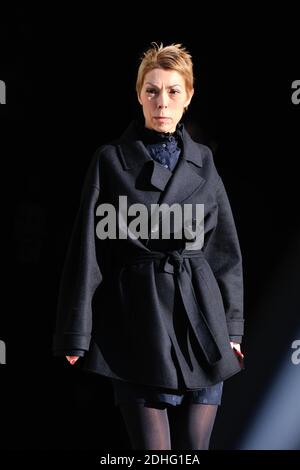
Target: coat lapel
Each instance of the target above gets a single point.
(160, 176)
(155, 184)
(149, 177)
(185, 180)
(147, 171)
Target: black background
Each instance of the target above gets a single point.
(70, 80)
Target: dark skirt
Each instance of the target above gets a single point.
(150, 395)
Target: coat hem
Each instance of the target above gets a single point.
(111, 376)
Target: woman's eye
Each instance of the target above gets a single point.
(150, 91)
(174, 92)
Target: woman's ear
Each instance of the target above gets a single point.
(139, 99)
(190, 96)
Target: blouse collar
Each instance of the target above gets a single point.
(150, 136)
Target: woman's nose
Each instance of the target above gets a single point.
(163, 101)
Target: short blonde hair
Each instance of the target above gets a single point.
(173, 57)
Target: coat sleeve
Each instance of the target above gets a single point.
(81, 274)
(222, 251)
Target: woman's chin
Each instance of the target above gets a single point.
(163, 127)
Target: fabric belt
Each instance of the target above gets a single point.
(173, 263)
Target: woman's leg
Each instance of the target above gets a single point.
(147, 426)
(191, 425)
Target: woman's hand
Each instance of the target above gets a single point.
(72, 359)
(237, 346)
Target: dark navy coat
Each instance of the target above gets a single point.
(153, 311)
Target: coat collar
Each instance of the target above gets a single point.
(132, 142)
(183, 182)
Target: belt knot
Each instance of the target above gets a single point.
(173, 262)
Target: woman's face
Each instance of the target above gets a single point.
(163, 97)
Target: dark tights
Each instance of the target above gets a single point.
(186, 426)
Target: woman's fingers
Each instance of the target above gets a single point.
(72, 359)
(237, 347)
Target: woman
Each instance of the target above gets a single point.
(167, 310)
